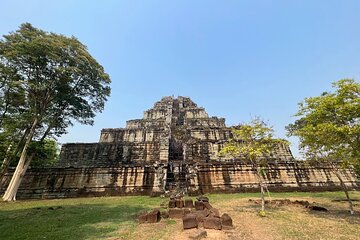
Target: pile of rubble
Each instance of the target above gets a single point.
(281, 202)
(193, 214)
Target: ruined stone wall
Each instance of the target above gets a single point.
(151, 179)
(280, 176)
(109, 154)
(89, 181)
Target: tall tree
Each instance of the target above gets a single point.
(328, 127)
(62, 82)
(13, 122)
(253, 143)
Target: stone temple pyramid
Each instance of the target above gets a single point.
(174, 130)
(174, 146)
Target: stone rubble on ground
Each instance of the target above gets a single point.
(198, 234)
(280, 202)
(199, 215)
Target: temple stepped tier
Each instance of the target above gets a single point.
(174, 146)
(173, 130)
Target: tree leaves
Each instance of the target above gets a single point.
(253, 141)
(60, 79)
(329, 124)
(47, 80)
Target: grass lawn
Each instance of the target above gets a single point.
(115, 218)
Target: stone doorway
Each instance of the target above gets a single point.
(177, 170)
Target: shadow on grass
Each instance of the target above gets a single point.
(334, 213)
(82, 221)
(338, 215)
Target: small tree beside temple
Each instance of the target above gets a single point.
(254, 142)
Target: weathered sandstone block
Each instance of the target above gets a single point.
(199, 234)
(199, 205)
(142, 218)
(179, 203)
(226, 221)
(172, 204)
(201, 214)
(207, 205)
(153, 216)
(176, 212)
(214, 212)
(164, 214)
(212, 223)
(190, 221)
(189, 203)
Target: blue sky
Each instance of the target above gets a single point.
(238, 59)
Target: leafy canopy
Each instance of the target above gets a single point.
(329, 125)
(53, 77)
(45, 153)
(254, 142)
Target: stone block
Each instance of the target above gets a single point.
(190, 221)
(164, 214)
(212, 223)
(142, 218)
(214, 212)
(189, 203)
(172, 204)
(226, 221)
(187, 211)
(153, 216)
(201, 214)
(179, 203)
(199, 205)
(176, 212)
(207, 205)
(198, 234)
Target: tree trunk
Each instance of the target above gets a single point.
(9, 157)
(10, 194)
(261, 184)
(262, 197)
(338, 175)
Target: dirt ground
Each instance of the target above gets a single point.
(281, 222)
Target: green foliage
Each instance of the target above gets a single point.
(329, 125)
(45, 153)
(53, 77)
(3, 148)
(47, 80)
(356, 166)
(254, 141)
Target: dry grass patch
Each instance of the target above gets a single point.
(115, 218)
